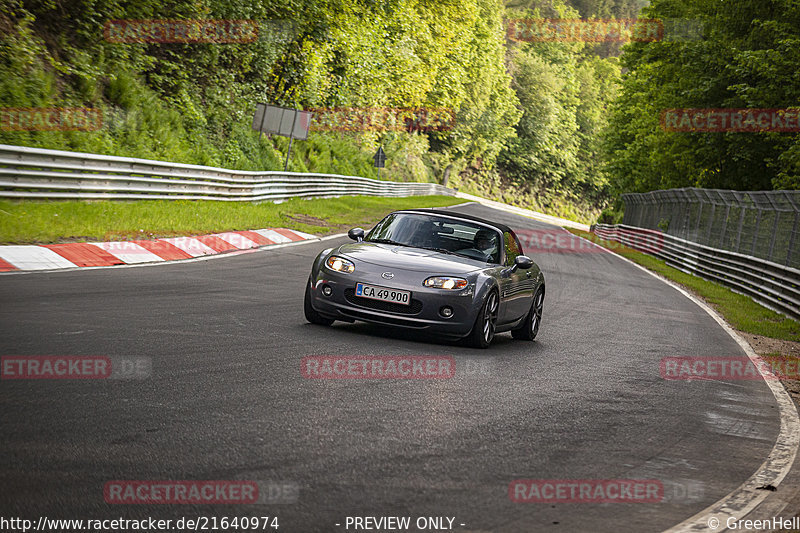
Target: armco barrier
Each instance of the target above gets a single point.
(54, 174)
(773, 285)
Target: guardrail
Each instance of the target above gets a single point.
(55, 174)
(772, 285)
(761, 224)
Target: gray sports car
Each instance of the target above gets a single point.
(454, 275)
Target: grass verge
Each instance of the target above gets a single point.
(738, 310)
(42, 222)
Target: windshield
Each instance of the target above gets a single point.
(438, 233)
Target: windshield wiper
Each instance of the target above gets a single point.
(441, 250)
(388, 241)
(449, 252)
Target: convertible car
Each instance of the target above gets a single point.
(454, 275)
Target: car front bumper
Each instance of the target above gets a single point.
(422, 314)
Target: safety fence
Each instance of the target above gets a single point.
(773, 285)
(761, 224)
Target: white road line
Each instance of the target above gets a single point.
(746, 497)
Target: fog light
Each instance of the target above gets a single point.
(446, 311)
(326, 290)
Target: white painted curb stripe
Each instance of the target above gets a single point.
(128, 252)
(274, 236)
(33, 258)
(239, 241)
(745, 498)
(190, 245)
(303, 235)
(28, 258)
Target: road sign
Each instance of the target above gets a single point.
(380, 158)
(282, 121)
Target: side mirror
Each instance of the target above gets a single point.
(523, 262)
(357, 234)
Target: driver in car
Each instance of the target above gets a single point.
(484, 245)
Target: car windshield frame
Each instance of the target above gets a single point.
(408, 229)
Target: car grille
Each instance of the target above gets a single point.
(391, 321)
(413, 309)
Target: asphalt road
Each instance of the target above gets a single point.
(226, 400)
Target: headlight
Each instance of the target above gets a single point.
(340, 264)
(445, 282)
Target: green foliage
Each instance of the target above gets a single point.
(529, 116)
(746, 58)
(193, 102)
(563, 89)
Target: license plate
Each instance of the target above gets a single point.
(383, 294)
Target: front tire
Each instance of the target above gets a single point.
(530, 326)
(311, 313)
(485, 325)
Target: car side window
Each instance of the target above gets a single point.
(512, 248)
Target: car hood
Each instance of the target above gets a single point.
(407, 258)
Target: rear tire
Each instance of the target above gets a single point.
(485, 325)
(530, 326)
(311, 313)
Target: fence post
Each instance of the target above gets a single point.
(774, 234)
(711, 223)
(640, 205)
(791, 239)
(739, 232)
(724, 227)
(755, 233)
